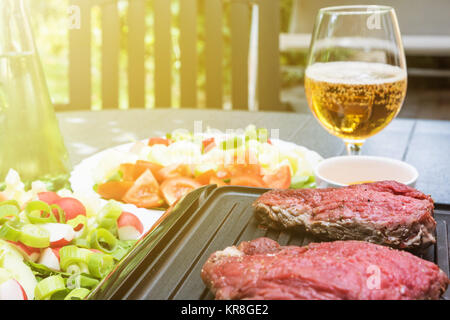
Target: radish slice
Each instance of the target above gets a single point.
(129, 226)
(50, 258)
(72, 207)
(29, 253)
(48, 197)
(60, 234)
(12, 290)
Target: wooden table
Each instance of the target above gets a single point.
(423, 143)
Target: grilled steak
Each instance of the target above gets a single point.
(387, 212)
(352, 270)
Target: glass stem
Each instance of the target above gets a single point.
(354, 147)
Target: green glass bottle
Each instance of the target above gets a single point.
(30, 139)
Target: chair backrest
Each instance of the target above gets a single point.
(268, 71)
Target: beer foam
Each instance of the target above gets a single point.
(354, 72)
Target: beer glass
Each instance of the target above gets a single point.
(355, 80)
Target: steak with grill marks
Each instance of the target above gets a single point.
(386, 212)
(349, 270)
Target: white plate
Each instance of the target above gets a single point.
(82, 181)
(86, 173)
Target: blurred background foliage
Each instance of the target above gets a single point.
(49, 22)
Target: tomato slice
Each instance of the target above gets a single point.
(208, 144)
(247, 180)
(130, 171)
(142, 165)
(172, 171)
(175, 188)
(205, 177)
(247, 166)
(144, 192)
(157, 140)
(114, 189)
(127, 170)
(281, 179)
(244, 169)
(209, 147)
(222, 173)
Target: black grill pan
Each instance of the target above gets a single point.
(149, 245)
(171, 270)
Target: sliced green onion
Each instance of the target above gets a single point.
(34, 236)
(10, 231)
(73, 281)
(122, 248)
(310, 185)
(111, 210)
(303, 182)
(108, 224)
(263, 134)
(102, 240)
(60, 295)
(100, 264)
(108, 215)
(119, 253)
(77, 294)
(47, 287)
(298, 182)
(10, 202)
(70, 255)
(39, 212)
(117, 176)
(87, 282)
(75, 222)
(232, 143)
(84, 267)
(60, 212)
(81, 281)
(78, 268)
(8, 212)
(73, 269)
(82, 242)
(250, 135)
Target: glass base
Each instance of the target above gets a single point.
(354, 147)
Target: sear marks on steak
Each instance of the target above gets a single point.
(386, 212)
(350, 270)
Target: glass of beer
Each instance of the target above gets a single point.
(355, 80)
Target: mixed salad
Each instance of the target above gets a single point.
(157, 172)
(58, 245)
